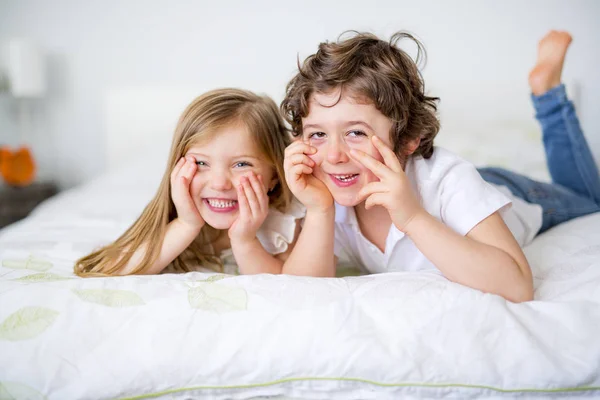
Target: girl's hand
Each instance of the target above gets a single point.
(181, 177)
(253, 204)
(298, 173)
(393, 191)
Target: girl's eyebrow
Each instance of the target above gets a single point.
(234, 157)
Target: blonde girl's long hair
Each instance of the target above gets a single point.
(199, 122)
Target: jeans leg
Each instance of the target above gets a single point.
(568, 155)
(559, 204)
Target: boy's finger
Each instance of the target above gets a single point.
(301, 159)
(299, 147)
(379, 169)
(301, 169)
(377, 199)
(389, 157)
(372, 188)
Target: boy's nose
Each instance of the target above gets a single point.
(337, 151)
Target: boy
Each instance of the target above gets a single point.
(367, 131)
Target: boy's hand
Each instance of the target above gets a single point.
(253, 204)
(181, 177)
(298, 173)
(393, 191)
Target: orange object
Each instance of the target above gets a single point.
(18, 167)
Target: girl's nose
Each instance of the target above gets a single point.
(221, 181)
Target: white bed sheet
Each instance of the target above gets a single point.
(399, 335)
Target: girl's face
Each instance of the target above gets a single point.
(334, 131)
(222, 161)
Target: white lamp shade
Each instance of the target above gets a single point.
(26, 69)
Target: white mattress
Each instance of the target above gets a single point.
(386, 336)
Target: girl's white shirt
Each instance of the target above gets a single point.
(275, 234)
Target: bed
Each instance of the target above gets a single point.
(210, 335)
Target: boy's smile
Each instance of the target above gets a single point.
(334, 128)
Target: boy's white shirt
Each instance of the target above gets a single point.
(450, 189)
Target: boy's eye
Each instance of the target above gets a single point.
(356, 133)
(318, 135)
(242, 164)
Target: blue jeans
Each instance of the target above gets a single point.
(575, 187)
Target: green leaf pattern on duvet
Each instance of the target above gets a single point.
(110, 297)
(18, 391)
(218, 298)
(42, 277)
(27, 323)
(28, 263)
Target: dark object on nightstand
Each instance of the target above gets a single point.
(17, 202)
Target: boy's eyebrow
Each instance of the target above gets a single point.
(311, 126)
(350, 123)
(347, 124)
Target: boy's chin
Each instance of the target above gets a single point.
(347, 199)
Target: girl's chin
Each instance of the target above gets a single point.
(222, 223)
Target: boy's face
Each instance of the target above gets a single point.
(333, 131)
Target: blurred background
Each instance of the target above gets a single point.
(85, 49)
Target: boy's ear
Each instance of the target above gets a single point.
(412, 146)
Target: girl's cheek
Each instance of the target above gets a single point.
(196, 184)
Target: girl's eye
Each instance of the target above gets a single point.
(242, 164)
(356, 133)
(318, 135)
(200, 163)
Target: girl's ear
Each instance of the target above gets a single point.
(412, 146)
(272, 184)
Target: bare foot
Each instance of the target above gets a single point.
(552, 50)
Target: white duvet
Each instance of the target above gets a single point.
(386, 336)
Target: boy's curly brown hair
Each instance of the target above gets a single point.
(374, 69)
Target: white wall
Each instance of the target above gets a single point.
(96, 45)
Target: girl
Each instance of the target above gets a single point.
(222, 204)
(367, 132)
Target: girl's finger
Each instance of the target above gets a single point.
(379, 169)
(251, 196)
(260, 192)
(190, 169)
(389, 157)
(243, 204)
(177, 168)
(377, 199)
(183, 193)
